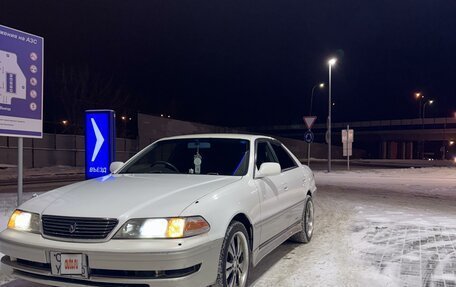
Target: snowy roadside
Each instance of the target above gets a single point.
(413, 241)
(10, 173)
(374, 228)
(429, 182)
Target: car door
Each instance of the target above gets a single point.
(293, 194)
(272, 220)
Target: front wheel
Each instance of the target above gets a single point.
(234, 263)
(305, 235)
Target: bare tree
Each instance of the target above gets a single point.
(79, 89)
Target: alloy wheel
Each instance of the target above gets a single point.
(237, 261)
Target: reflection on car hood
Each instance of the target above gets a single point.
(128, 196)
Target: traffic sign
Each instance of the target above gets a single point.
(309, 136)
(349, 138)
(100, 139)
(21, 83)
(347, 149)
(309, 121)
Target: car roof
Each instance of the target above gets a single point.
(220, 135)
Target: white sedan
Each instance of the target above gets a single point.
(193, 210)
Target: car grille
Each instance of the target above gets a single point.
(77, 227)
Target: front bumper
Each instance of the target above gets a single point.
(142, 263)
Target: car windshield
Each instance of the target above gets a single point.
(213, 156)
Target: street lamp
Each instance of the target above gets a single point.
(419, 96)
(331, 63)
(321, 86)
(430, 102)
(125, 120)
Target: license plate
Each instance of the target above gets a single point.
(71, 264)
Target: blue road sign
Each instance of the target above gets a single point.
(21, 83)
(100, 142)
(309, 136)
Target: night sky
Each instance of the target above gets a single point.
(244, 63)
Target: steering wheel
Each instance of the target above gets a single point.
(167, 164)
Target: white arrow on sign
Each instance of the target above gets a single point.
(100, 140)
(309, 121)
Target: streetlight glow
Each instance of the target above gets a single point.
(322, 85)
(431, 102)
(64, 122)
(124, 118)
(451, 143)
(332, 61)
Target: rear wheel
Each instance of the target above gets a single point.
(234, 263)
(305, 235)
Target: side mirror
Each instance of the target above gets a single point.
(115, 166)
(269, 169)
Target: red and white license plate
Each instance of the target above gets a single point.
(69, 264)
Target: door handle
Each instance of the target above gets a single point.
(285, 187)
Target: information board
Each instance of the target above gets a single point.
(21, 83)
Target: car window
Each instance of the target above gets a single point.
(214, 156)
(285, 160)
(264, 154)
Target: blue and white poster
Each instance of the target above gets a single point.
(21, 83)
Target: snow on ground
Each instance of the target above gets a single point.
(373, 228)
(432, 182)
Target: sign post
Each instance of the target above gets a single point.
(21, 90)
(347, 141)
(308, 135)
(100, 142)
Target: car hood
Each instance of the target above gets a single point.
(128, 196)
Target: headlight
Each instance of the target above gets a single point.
(163, 228)
(24, 221)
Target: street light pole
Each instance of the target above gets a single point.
(422, 122)
(430, 102)
(331, 62)
(420, 97)
(321, 85)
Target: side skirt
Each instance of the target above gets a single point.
(268, 246)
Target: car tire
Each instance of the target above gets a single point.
(234, 262)
(305, 235)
